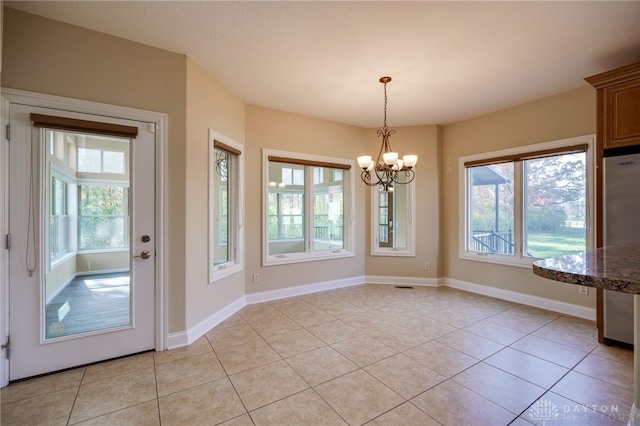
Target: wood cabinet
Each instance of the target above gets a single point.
(617, 126)
(618, 106)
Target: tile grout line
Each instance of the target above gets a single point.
(75, 399)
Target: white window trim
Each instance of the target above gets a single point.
(518, 259)
(56, 171)
(235, 263)
(410, 249)
(349, 209)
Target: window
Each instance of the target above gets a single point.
(59, 218)
(225, 206)
(307, 205)
(86, 190)
(525, 204)
(103, 217)
(93, 160)
(392, 214)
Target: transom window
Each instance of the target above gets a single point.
(527, 204)
(92, 160)
(307, 207)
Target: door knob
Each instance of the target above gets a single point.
(145, 254)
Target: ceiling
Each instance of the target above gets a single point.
(449, 60)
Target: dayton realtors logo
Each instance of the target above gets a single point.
(545, 411)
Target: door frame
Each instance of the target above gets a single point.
(155, 119)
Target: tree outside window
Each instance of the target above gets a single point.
(527, 205)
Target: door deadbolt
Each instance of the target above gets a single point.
(145, 254)
(146, 238)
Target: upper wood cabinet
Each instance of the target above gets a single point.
(618, 106)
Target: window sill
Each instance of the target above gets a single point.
(392, 252)
(61, 259)
(218, 272)
(284, 259)
(98, 251)
(498, 259)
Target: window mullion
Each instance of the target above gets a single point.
(518, 189)
(280, 217)
(308, 200)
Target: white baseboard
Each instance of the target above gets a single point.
(177, 340)
(424, 282)
(300, 290)
(525, 299)
(184, 338)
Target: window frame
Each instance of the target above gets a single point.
(309, 255)
(126, 219)
(55, 172)
(235, 199)
(409, 250)
(518, 259)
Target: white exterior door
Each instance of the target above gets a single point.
(82, 258)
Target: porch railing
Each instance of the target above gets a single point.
(492, 242)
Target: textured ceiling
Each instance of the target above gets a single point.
(449, 60)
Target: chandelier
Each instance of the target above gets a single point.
(387, 169)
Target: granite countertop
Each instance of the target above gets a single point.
(614, 268)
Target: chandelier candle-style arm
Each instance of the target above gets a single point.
(385, 169)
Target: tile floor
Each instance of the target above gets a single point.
(368, 354)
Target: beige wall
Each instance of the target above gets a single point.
(209, 105)
(46, 56)
(267, 128)
(425, 141)
(106, 261)
(50, 57)
(557, 117)
(59, 276)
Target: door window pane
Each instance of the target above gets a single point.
(87, 285)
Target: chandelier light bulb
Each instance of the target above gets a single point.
(410, 160)
(364, 161)
(390, 158)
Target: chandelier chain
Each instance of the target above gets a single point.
(385, 107)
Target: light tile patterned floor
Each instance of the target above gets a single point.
(368, 354)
